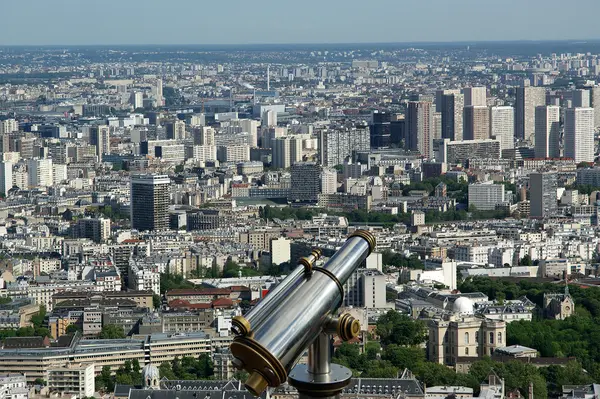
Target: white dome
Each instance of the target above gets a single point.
(463, 305)
(150, 376)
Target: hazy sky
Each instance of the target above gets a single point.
(288, 21)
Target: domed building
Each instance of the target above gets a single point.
(463, 306)
(150, 377)
(459, 336)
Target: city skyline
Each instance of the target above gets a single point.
(73, 23)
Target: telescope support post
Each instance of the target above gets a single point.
(320, 378)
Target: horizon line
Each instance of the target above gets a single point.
(573, 41)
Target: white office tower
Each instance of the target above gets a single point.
(579, 134)
(547, 131)
(250, 126)
(269, 118)
(6, 177)
(100, 137)
(136, 99)
(528, 98)
(595, 103)
(59, 173)
(40, 172)
(286, 151)
(9, 126)
(502, 126)
(329, 181)
(581, 99)
(157, 92)
(475, 96)
(203, 135)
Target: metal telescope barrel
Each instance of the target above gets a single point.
(273, 347)
(242, 325)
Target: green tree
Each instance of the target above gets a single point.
(38, 319)
(111, 331)
(72, 328)
(170, 281)
(526, 261)
(156, 301)
(104, 381)
(399, 329)
(404, 357)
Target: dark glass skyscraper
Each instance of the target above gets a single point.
(150, 201)
(381, 129)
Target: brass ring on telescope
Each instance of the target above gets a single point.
(367, 236)
(333, 277)
(308, 267)
(347, 327)
(241, 325)
(317, 253)
(264, 368)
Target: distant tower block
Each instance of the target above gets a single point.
(268, 77)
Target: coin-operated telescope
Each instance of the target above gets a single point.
(299, 314)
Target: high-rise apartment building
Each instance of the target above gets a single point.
(580, 99)
(419, 119)
(233, 153)
(6, 178)
(451, 107)
(579, 134)
(475, 96)
(40, 172)
(97, 230)
(528, 98)
(337, 145)
(440, 93)
(203, 135)
(100, 137)
(476, 123)
(286, 151)
(381, 129)
(543, 200)
(137, 99)
(150, 199)
(485, 196)
(175, 130)
(547, 131)
(9, 126)
(329, 181)
(305, 182)
(502, 126)
(595, 103)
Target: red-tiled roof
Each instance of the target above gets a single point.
(222, 303)
(199, 292)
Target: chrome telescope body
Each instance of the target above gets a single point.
(258, 314)
(272, 337)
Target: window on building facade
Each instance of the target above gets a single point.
(491, 338)
(466, 338)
